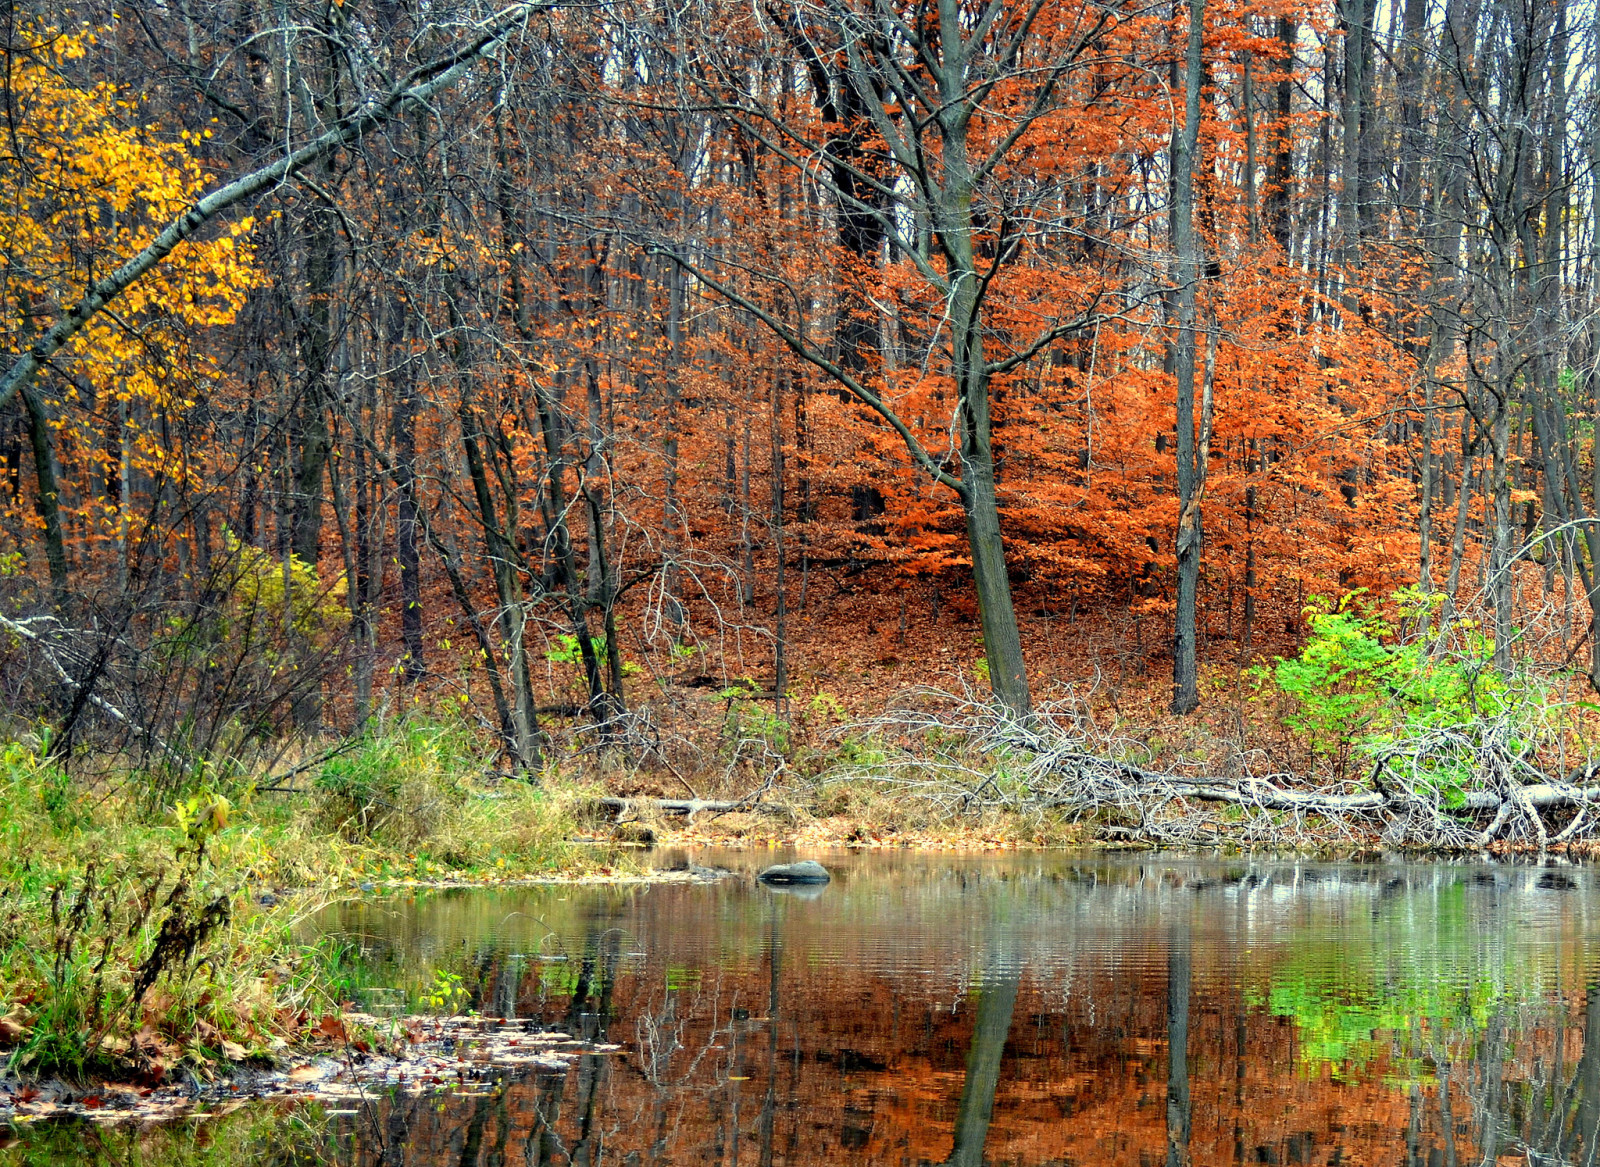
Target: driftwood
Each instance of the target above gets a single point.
(689, 807)
(1263, 792)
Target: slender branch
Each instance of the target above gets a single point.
(419, 87)
(797, 344)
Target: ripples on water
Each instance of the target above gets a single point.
(1021, 1010)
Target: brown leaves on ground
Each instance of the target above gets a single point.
(15, 1027)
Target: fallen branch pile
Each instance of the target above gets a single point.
(689, 807)
(1451, 788)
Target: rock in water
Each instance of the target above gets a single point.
(806, 871)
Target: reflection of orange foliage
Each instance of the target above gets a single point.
(869, 1076)
(864, 1037)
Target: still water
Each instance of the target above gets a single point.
(1034, 1009)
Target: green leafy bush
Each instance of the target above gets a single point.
(751, 729)
(567, 651)
(1359, 694)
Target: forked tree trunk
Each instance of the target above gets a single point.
(997, 615)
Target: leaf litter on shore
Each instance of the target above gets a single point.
(362, 1057)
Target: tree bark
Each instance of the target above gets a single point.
(1280, 178)
(1186, 269)
(48, 502)
(413, 665)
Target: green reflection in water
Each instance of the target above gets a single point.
(1414, 978)
(261, 1136)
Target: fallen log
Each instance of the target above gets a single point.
(1261, 791)
(688, 807)
(1540, 795)
(1276, 798)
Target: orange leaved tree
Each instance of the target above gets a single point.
(943, 102)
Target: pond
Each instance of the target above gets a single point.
(1018, 1009)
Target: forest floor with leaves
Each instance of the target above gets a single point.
(1345, 732)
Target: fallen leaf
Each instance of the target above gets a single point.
(12, 1029)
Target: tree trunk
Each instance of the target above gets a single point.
(1356, 18)
(1500, 565)
(1248, 101)
(48, 501)
(1280, 179)
(1002, 641)
(780, 684)
(1185, 665)
(523, 731)
(413, 668)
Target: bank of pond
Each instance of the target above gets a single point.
(1025, 1008)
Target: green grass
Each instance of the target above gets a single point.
(142, 940)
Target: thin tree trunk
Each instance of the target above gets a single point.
(1500, 564)
(1248, 100)
(1280, 178)
(48, 501)
(409, 564)
(1458, 537)
(780, 684)
(1185, 665)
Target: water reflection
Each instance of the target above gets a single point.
(1025, 1010)
(1180, 1108)
(996, 1003)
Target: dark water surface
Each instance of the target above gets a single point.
(1024, 1009)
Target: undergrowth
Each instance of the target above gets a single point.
(140, 940)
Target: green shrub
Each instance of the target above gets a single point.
(395, 788)
(1361, 695)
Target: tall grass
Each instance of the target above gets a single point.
(142, 940)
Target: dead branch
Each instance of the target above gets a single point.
(1454, 787)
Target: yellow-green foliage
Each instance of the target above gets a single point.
(257, 588)
(133, 939)
(129, 943)
(418, 791)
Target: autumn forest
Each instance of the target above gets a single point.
(534, 360)
(453, 443)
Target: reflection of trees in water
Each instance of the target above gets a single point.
(997, 999)
(1410, 1015)
(1180, 1108)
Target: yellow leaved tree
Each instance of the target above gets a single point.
(86, 183)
